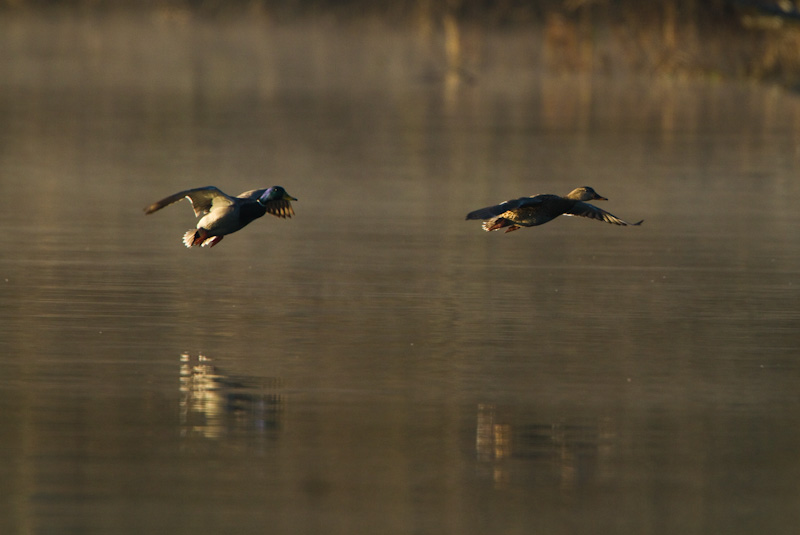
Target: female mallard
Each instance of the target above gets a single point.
(539, 209)
(223, 214)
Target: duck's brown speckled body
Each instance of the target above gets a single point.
(539, 209)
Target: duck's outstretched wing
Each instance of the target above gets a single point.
(584, 209)
(279, 207)
(202, 199)
(494, 211)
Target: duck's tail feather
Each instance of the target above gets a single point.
(498, 223)
(195, 237)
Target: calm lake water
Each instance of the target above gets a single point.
(377, 364)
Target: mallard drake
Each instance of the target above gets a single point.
(223, 214)
(539, 209)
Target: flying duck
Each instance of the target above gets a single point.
(539, 209)
(223, 214)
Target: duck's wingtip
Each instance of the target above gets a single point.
(637, 224)
(156, 206)
(483, 213)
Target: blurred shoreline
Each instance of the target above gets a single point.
(460, 41)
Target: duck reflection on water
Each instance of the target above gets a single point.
(569, 453)
(214, 404)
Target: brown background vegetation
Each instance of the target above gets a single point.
(752, 39)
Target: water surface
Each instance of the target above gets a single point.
(377, 363)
